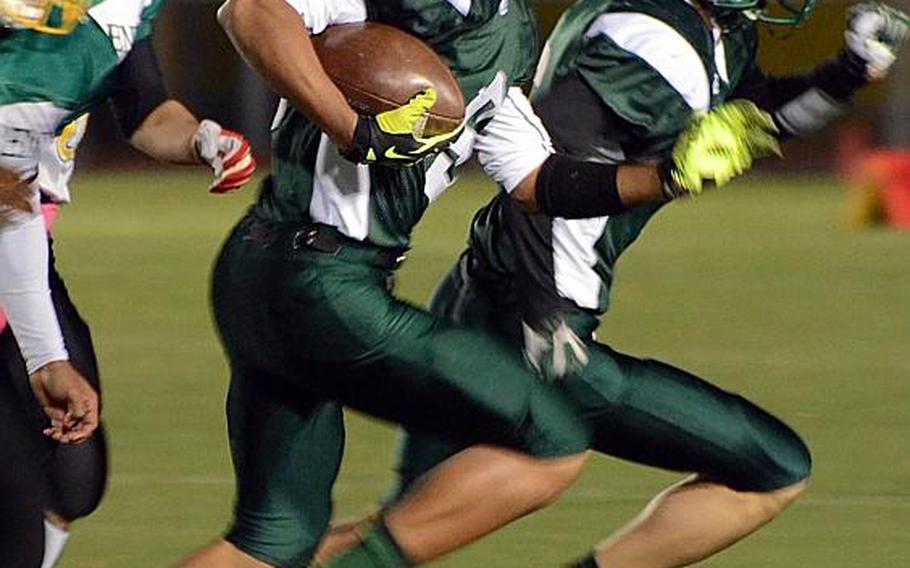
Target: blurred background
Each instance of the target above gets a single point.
(757, 287)
(866, 149)
(203, 70)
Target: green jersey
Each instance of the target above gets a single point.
(618, 81)
(477, 38)
(481, 40)
(652, 62)
(47, 79)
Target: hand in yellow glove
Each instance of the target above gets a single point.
(396, 137)
(720, 145)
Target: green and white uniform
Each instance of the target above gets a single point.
(46, 81)
(635, 71)
(302, 302)
(618, 81)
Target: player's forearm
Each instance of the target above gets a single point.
(573, 189)
(273, 40)
(824, 97)
(167, 133)
(25, 295)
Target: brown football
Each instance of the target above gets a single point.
(379, 67)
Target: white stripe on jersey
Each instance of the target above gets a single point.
(484, 109)
(574, 259)
(341, 192)
(514, 142)
(40, 118)
(661, 47)
(463, 6)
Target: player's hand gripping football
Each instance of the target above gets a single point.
(396, 137)
(718, 146)
(553, 350)
(227, 152)
(875, 33)
(68, 400)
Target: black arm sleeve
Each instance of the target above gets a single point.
(575, 189)
(580, 181)
(802, 104)
(840, 78)
(137, 87)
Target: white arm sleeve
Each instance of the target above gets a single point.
(24, 291)
(320, 14)
(513, 143)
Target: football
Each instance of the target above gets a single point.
(379, 68)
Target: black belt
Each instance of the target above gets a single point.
(325, 239)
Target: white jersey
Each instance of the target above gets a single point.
(58, 161)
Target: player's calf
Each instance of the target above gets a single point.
(485, 488)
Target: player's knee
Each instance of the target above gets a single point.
(766, 505)
(794, 464)
(280, 542)
(778, 457)
(79, 477)
(786, 495)
(555, 475)
(555, 429)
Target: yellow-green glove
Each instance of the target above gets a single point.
(720, 145)
(395, 137)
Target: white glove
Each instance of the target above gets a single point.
(875, 33)
(227, 152)
(555, 352)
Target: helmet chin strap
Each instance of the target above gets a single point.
(776, 12)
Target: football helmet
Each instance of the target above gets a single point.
(57, 17)
(781, 12)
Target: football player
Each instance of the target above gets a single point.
(58, 59)
(309, 323)
(636, 71)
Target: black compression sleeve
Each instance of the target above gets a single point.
(842, 77)
(839, 78)
(138, 87)
(575, 189)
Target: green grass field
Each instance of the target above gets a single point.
(755, 287)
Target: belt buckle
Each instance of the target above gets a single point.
(303, 238)
(309, 238)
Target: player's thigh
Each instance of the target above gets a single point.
(461, 298)
(76, 337)
(458, 383)
(76, 334)
(78, 472)
(286, 453)
(330, 327)
(655, 414)
(457, 299)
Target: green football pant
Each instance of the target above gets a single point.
(307, 332)
(640, 410)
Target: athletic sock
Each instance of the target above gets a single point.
(378, 549)
(54, 540)
(586, 562)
